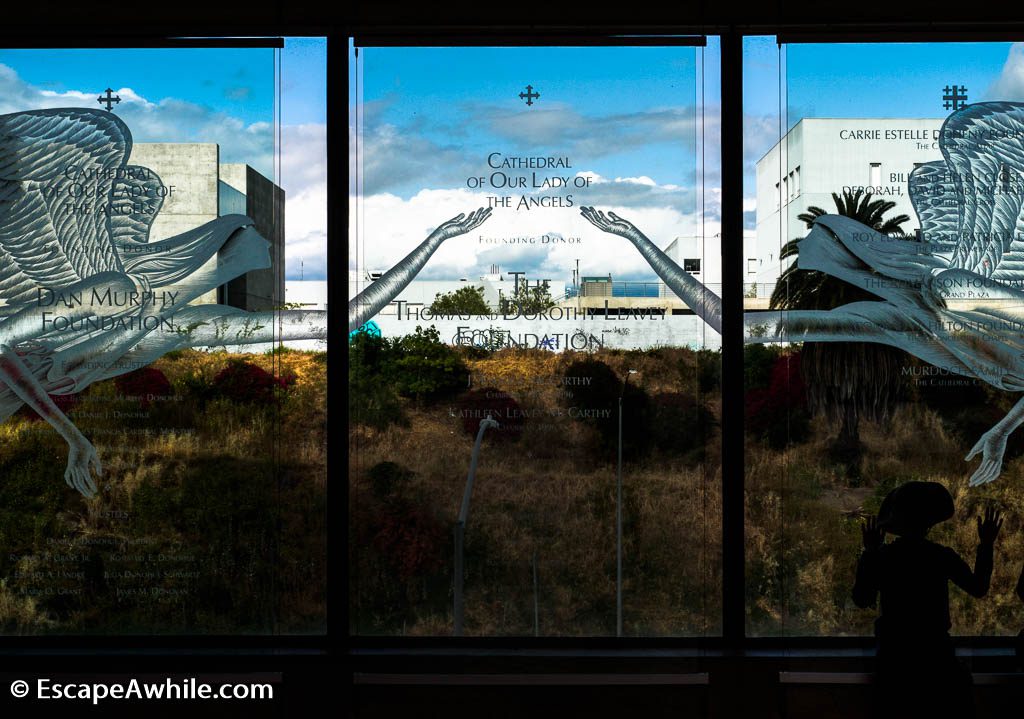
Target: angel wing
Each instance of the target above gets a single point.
(972, 201)
(64, 185)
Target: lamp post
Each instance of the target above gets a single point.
(460, 525)
(618, 520)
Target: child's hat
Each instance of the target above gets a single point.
(915, 506)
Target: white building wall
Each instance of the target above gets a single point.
(312, 295)
(821, 156)
(708, 250)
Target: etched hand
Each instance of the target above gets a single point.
(988, 528)
(461, 224)
(610, 223)
(992, 445)
(82, 457)
(871, 534)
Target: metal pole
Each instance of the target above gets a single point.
(618, 530)
(618, 518)
(460, 532)
(460, 526)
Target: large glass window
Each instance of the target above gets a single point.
(883, 343)
(522, 232)
(163, 330)
(529, 263)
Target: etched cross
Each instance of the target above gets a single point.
(955, 98)
(109, 100)
(529, 95)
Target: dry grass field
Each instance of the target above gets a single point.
(547, 500)
(211, 514)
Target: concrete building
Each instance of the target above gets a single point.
(820, 156)
(200, 189)
(702, 258)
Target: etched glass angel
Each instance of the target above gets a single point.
(84, 294)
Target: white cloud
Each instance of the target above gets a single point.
(642, 180)
(1010, 83)
(390, 227)
(593, 135)
(304, 179)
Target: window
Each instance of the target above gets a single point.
(535, 554)
(817, 458)
(832, 427)
(187, 393)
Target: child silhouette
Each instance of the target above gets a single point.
(918, 673)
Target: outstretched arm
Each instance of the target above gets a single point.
(82, 455)
(865, 587)
(976, 583)
(373, 299)
(992, 445)
(705, 303)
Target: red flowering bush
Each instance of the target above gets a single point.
(778, 413)
(476, 404)
(243, 382)
(146, 384)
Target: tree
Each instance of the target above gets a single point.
(468, 300)
(846, 381)
(527, 300)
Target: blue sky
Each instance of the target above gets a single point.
(237, 81)
(467, 98)
(867, 79)
(222, 95)
(626, 117)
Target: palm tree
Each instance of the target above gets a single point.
(846, 381)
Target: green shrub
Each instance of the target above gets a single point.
(372, 400)
(425, 368)
(468, 300)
